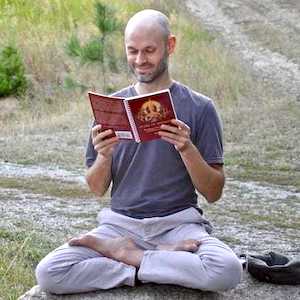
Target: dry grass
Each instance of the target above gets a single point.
(274, 38)
(57, 117)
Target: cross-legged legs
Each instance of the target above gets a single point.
(176, 250)
(75, 269)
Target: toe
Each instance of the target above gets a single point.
(74, 242)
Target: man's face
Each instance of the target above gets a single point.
(146, 55)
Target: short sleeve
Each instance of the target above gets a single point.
(91, 153)
(209, 135)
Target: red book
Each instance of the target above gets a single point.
(137, 118)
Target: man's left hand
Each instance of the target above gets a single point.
(177, 134)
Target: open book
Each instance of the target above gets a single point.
(135, 118)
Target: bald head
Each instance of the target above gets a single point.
(149, 20)
(148, 44)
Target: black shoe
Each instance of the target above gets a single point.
(274, 268)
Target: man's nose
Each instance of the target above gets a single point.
(140, 58)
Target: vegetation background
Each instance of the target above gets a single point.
(48, 124)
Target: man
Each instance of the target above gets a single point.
(154, 231)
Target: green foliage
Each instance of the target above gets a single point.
(12, 73)
(98, 49)
(105, 19)
(92, 51)
(73, 47)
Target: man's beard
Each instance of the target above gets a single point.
(148, 78)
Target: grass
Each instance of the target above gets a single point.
(46, 186)
(49, 125)
(274, 39)
(20, 252)
(57, 115)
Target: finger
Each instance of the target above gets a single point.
(181, 124)
(96, 129)
(179, 145)
(182, 137)
(70, 240)
(102, 136)
(175, 130)
(178, 130)
(107, 142)
(169, 128)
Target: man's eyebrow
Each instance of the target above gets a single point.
(133, 48)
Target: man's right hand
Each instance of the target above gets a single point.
(103, 144)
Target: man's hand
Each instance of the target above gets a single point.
(177, 134)
(103, 144)
(98, 176)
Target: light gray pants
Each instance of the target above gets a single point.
(74, 269)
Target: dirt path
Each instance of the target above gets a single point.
(265, 34)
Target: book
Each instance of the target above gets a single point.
(135, 118)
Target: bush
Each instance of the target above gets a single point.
(12, 72)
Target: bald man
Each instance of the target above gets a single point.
(154, 230)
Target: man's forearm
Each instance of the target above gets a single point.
(98, 176)
(209, 181)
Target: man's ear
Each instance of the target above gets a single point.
(171, 43)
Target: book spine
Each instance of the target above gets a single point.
(131, 122)
(172, 103)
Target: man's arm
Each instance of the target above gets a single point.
(208, 179)
(98, 176)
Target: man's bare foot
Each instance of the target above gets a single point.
(185, 245)
(120, 249)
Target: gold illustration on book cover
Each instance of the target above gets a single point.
(152, 111)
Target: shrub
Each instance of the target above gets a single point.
(98, 49)
(12, 72)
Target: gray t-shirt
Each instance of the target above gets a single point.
(150, 179)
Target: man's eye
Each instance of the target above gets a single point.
(150, 50)
(132, 51)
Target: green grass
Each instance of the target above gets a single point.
(47, 186)
(20, 252)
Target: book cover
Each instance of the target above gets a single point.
(149, 112)
(138, 117)
(111, 114)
